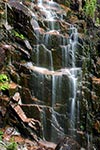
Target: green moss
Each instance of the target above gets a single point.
(3, 82)
(90, 8)
(1, 135)
(12, 146)
(19, 35)
(97, 21)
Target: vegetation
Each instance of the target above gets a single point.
(97, 21)
(12, 145)
(90, 8)
(4, 84)
(19, 35)
(1, 135)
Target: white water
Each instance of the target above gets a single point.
(41, 86)
(56, 89)
(89, 141)
(46, 56)
(54, 82)
(44, 122)
(40, 2)
(73, 40)
(73, 103)
(49, 15)
(65, 55)
(68, 70)
(56, 127)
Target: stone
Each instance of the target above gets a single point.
(98, 66)
(16, 98)
(19, 17)
(2, 57)
(47, 145)
(34, 26)
(32, 111)
(29, 127)
(13, 88)
(67, 143)
(96, 85)
(26, 96)
(28, 45)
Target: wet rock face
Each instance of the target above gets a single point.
(68, 144)
(41, 42)
(28, 127)
(96, 104)
(50, 34)
(74, 4)
(2, 57)
(20, 17)
(40, 83)
(46, 113)
(36, 87)
(90, 88)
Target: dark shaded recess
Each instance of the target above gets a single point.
(98, 49)
(23, 128)
(74, 6)
(5, 92)
(67, 143)
(1, 120)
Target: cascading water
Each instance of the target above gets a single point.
(73, 41)
(53, 77)
(73, 101)
(56, 88)
(63, 83)
(55, 127)
(44, 54)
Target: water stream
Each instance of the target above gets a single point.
(61, 93)
(68, 71)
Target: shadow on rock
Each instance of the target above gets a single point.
(67, 143)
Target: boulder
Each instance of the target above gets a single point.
(68, 143)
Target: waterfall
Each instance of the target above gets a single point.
(40, 2)
(65, 55)
(73, 104)
(61, 94)
(54, 75)
(89, 141)
(53, 90)
(42, 53)
(73, 40)
(55, 126)
(56, 86)
(44, 122)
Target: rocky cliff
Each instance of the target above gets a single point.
(26, 43)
